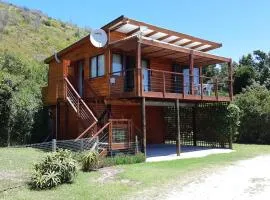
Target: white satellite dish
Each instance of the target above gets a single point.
(98, 38)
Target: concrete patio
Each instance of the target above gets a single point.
(165, 152)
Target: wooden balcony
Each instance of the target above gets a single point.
(160, 84)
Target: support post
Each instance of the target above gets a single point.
(201, 82)
(191, 72)
(136, 145)
(139, 84)
(81, 144)
(53, 145)
(178, 140)
(194, 124)
(144, 125)
(230, 71)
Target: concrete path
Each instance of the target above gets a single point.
(165, 152)
(245, 180)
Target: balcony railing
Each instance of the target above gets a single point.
(166, 84)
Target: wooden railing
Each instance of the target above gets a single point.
(85, 115)
(166, 84)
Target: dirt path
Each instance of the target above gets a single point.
(245, 180)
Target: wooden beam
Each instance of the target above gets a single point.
(186, 43)
(178, 140)
(150, 34)
(183, 50)
(144, 125)
(134, 31)
(175, 40)
(164, 37)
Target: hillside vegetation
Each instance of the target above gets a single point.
(27, 37)
(32, 34)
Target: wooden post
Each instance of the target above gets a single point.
(164, 84)
(194, 124)
(191, 72)
(136, 145)
(230, 70)
(201, 82)
(216, 88)
(139, 84)
(183, 85)
(178, 140)
(53, 145)
(144, 124)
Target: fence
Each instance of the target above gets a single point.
(84, 144)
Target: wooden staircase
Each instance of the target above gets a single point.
(100, 129)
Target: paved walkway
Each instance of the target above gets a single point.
(164, 152)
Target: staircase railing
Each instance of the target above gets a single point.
(88, 119)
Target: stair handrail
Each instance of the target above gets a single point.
(80, 99)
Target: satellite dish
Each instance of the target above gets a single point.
(98, 38)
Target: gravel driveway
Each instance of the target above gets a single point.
(245, 180)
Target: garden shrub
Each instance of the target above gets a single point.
(56, 168)
(90, 161)
(254, 104)
(122, 159)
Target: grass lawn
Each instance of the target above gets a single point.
(15, 166)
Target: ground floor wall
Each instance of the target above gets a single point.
(155, 123)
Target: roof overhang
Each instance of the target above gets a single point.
(132, 27)
(157, 49)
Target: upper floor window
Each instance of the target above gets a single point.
(117, 64)
(97, 66)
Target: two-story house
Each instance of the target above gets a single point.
(123, 86)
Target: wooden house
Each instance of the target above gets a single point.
(119, 91)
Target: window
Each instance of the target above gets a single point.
(97, 66)
(117, 65)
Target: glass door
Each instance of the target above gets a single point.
(146, 76)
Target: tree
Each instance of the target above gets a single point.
(243, 76)
(254, 103)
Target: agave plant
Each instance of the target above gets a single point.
(90, 161)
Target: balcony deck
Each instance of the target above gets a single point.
(168, 85)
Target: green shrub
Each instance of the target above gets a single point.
(122, 159)
(254, 104)
(90, 161)
(56, 168)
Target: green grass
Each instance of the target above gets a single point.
(142, 176)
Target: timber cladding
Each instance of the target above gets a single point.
(83, 51)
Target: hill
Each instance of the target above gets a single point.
(27, 37)
(32, 34)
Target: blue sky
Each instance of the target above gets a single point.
(240, 25)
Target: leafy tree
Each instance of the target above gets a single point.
(20, 98)
(243, 76)
(254, 104)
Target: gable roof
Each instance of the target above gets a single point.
(131, 27)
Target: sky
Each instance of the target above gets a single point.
(242, 26)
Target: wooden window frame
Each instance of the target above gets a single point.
(118, 73)
(97, 66)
